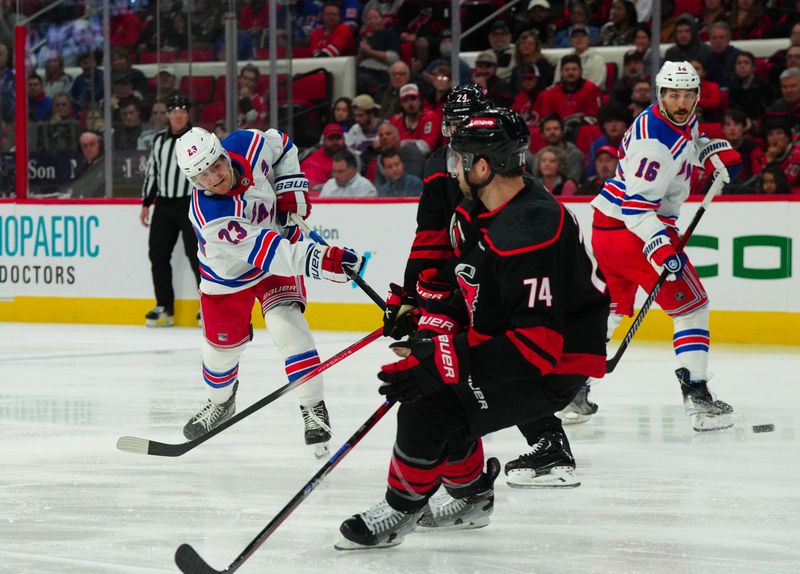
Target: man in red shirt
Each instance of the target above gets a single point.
(332, 38)
(573, 98)
(415, 122)
(319, 164)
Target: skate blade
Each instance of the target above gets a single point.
(322, 450)
(558, 477)
(159, 323)
(573, 418)
(703, 423)
(348, 545)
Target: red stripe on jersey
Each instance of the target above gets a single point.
(541, 245)
(475, 338)
(431, 237)
(270, 238)
(431, 254)
(436, 175)
(408, 478)
(548, 341)
(252, 149)
(689, 339)
(581, 364)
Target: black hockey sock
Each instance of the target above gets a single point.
(532, 430)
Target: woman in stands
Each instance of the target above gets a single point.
(528, 51)
(748, 20)
(748, 92)
(551, 174)
(621, 27)
(342, 113)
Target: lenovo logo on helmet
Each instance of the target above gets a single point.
(482, 123)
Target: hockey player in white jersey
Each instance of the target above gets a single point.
(635, 228)
(247, 251)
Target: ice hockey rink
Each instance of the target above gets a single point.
(656, 496)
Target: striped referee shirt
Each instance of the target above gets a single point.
(164, 178)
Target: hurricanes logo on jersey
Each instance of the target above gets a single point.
(464, 274)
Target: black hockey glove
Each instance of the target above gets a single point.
(401, 315)
(431, 364)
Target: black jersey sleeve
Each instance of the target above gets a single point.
(431, 247)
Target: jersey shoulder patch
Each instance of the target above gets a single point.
(532, 220)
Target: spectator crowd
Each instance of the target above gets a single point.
(577, 107)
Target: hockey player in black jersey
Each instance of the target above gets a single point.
(442, 202)
(512, 330)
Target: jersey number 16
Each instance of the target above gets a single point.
(647, 169)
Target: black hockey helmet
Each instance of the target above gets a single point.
(461, 102)
(178, 100)
(498, 135)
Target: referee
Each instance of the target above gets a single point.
(170, 191)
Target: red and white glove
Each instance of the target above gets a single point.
(335, 264)
(292, 194)
(718, 156)
(430, 364)
(430, 288)
(662, 255)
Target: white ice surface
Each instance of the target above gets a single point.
(656, 497)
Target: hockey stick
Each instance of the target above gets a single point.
(189, 561)
(710, 194)
(138, 445)
(300, 222)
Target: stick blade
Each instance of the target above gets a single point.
(189, 561)
(133, 444)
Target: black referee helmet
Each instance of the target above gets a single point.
(178, 101)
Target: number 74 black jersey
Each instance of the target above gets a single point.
(536, 300)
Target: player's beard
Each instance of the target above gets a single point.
(474, 191)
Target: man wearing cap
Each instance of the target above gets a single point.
(166, 84)
(319, 164)
(782, 152)
(500, 43)
(363, 135)
(415, 122)
(527, 102)
(537, 19)
(485, 75)
(605, 164)
(166, 186)
(593, 66)
(389, 98)
(573, 98)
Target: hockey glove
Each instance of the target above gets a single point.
(430, 287)
(332, 263)
(401, 315)
(292, 193)
(718, 156)
(430, 364)
(662, 255)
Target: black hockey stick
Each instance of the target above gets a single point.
(710, 194)
(355, 277)
(144, 446)
(189, 561)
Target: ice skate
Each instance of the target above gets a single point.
(211, 415)
(580, 410)
(707, 412)
(549, 465)
(379, 527)
(317, 428)
(444, 512)
(158, 317)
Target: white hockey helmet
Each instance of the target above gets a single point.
(678, 76)
(196, 150)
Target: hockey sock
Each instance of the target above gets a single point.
(691, 342)
(411, 482)
(464, 476)
(220, 370)
(289, 331)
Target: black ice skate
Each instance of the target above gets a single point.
(580, 409)
(210, 416)
(707, 412)
(444, 512)
(379, 527)
(158, 317)
(317, 428)
(549, 465)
